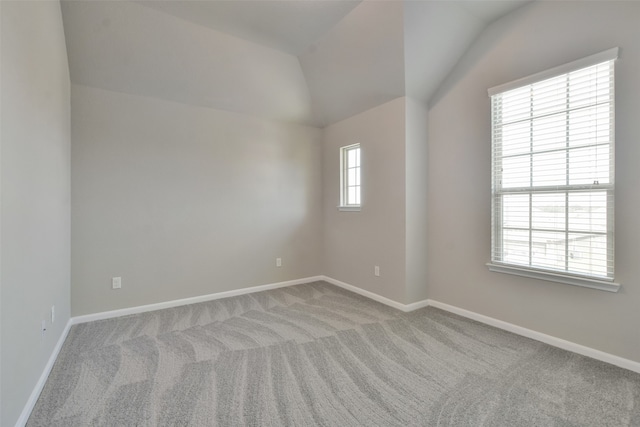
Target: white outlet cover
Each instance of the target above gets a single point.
(116, 282)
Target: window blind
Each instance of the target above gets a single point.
(553, 171)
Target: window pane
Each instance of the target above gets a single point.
(515, 210)
(515, 246)
(512, 106)
(588, 212)
(357, 162)
(548, 249)
(549, 132)
(590, 86)
(352, 198)
(516, 138)
(351, 158)
(589, 165)
(548, 211)
(515, 172)
(549, 96)
(588, 254)
(351, 177)
(549, 168)
(590, 126)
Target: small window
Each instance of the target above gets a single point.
(350, 177)
(553, 174)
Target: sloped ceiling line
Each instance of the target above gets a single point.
(310, 62)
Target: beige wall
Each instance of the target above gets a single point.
(35, 195)
(182, 201)
(539, 36)
(354, 242)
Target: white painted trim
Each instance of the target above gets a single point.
(607, 55)
(33, 398)
(192, 300)
(539, 336)
(376, 297)
(349, 208)
(603, 284)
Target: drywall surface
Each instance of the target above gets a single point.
(534, 38)
(35, 192)
(127, 47)
(182, 201)
(354, 242)
(416, 168)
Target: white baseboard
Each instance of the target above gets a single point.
(539, 336)
(175, 303)
(376, 297)
(33, 398)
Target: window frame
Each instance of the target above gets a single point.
(497, 226)
(345, 184)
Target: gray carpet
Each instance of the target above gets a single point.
(315, 354)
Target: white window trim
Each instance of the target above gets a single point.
(604, 283)
(607, 55)
(343, 207)
(349, 208)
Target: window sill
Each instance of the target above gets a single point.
(349, 208)
(601, 284)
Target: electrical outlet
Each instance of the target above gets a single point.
(116, 282)
(53, 313)
(278, 262)
(376, 270)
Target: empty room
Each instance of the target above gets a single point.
(319, 212)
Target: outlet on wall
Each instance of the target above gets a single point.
(278, 262)
(116, 282)
(376, 270)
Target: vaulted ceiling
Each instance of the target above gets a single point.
(312, 62)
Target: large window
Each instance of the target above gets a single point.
(553, 174)
(350, 177)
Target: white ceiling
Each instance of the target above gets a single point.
(305, 61)
(289, 26)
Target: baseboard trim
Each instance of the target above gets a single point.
(539, 336)
(500, 324)
(375, 297)
(33, 398)
(185, 301)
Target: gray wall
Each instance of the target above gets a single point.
(35, 195)
(354, 242)
(183, 201)
(537, 37)
(417, 238)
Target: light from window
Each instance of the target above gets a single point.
(553, 172)
(350, 176)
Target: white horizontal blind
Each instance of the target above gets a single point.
(553, 173)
